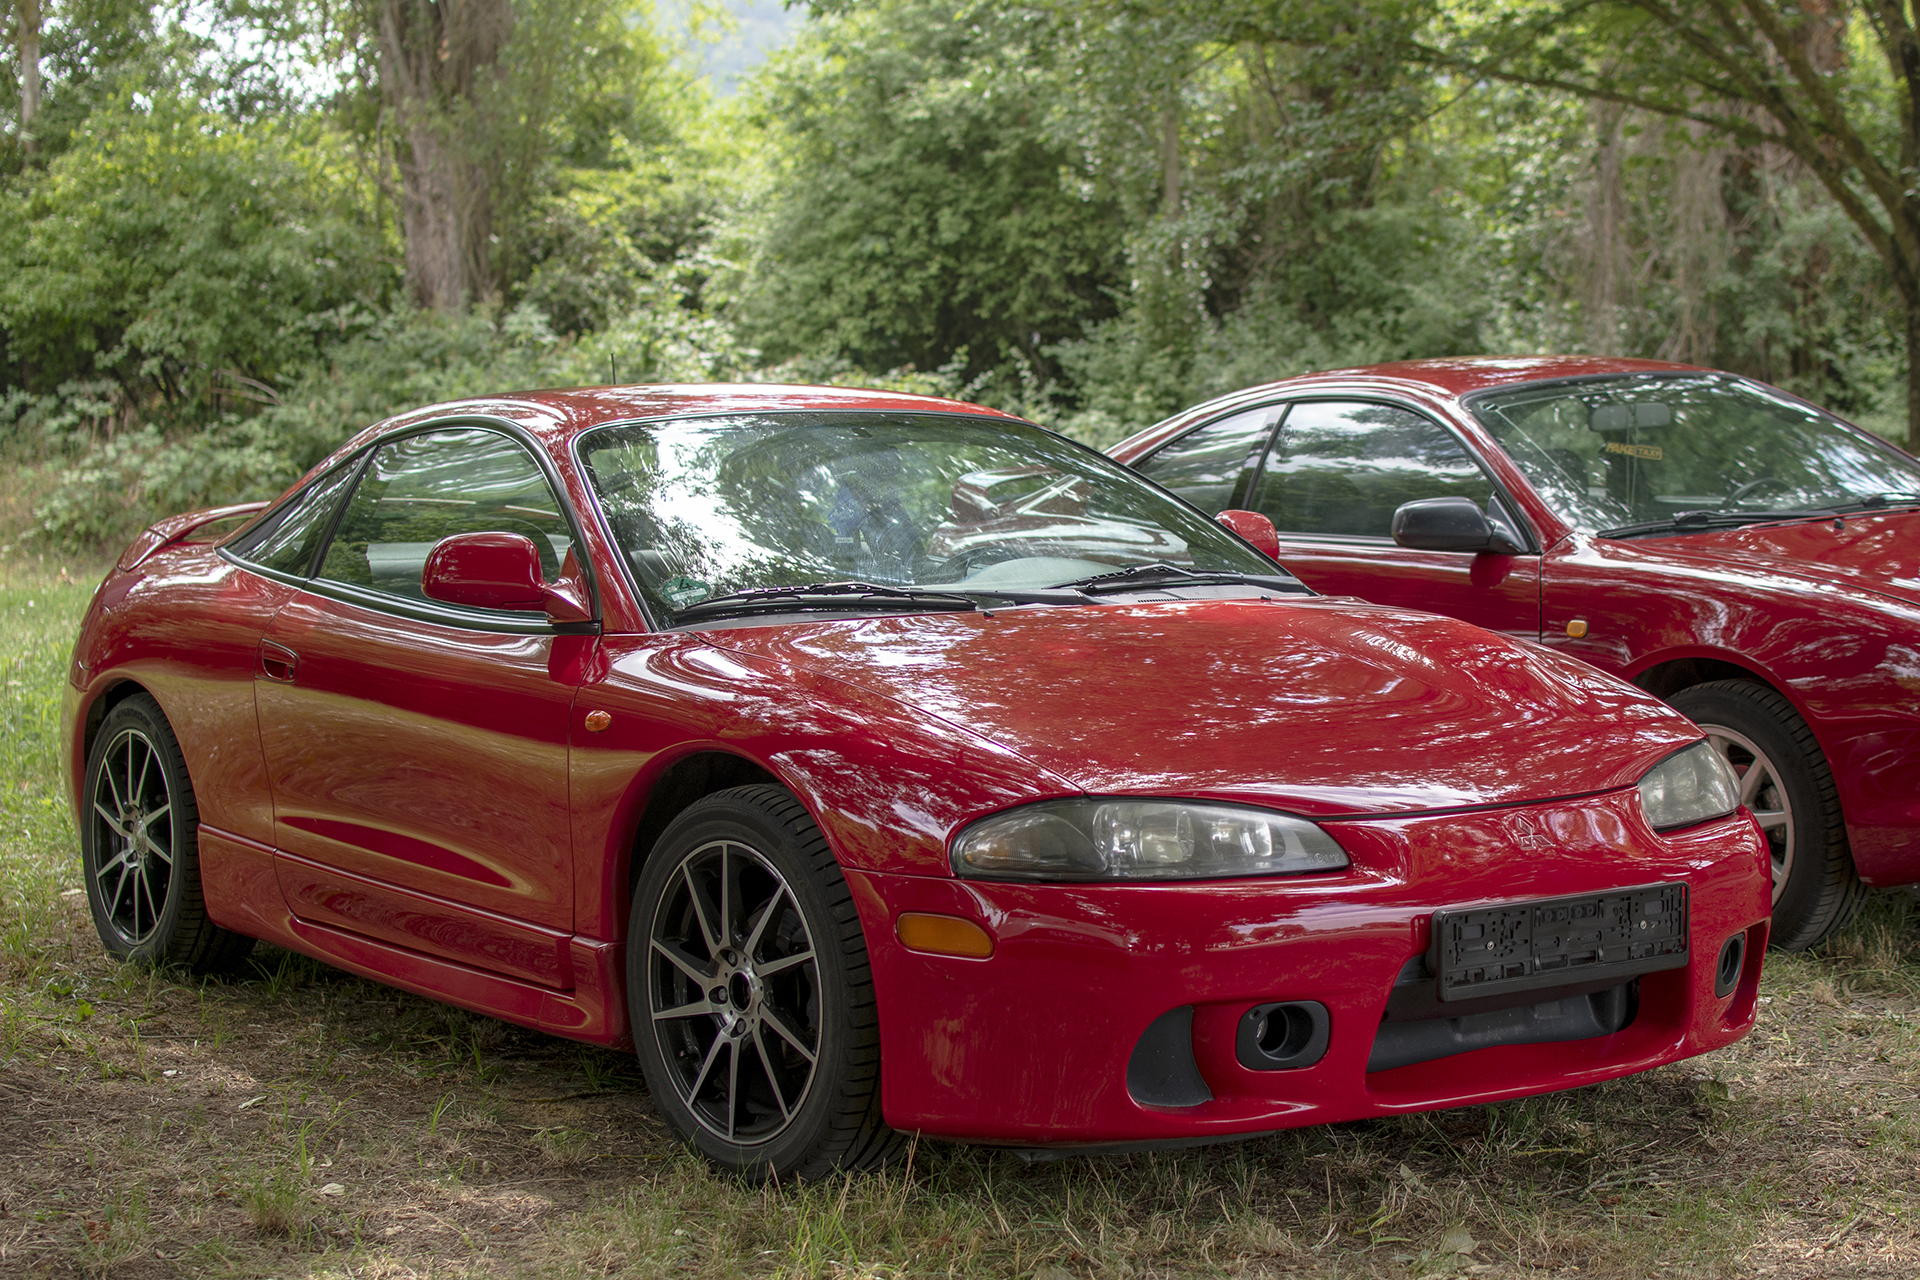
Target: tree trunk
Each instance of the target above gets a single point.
(29, 16)
(1607, 268)
(1913, 377)
(444, 216)
(432, 59)
(1170, 159)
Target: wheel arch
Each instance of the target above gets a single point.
(98, 707)
(1670, 675)
(1676, 672)
(690, 778)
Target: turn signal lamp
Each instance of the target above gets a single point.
(942, 935)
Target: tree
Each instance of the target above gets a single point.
(467, 108)
(27, 16)
(194, 262)
(433, 56)
(1834, 83)
(922, 207)
(1252, 146)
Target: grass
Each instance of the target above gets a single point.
(300, 1122)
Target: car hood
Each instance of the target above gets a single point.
(1323, 707)
(1878, 553)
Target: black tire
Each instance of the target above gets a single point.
(731, 1075)
(140, 849)
(1785, 780)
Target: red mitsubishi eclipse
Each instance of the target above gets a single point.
(1733, 549)
(874, 764)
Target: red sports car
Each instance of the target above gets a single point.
(1735, 550)
(874, 764)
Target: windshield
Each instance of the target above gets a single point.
(705, 507)
(1620, 452)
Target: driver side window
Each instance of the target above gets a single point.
(422, 488)
(1206, 466)
(1340, 468)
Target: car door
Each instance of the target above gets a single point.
(417, 752)
(1329, 474)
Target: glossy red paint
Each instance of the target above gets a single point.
(1031, 1047)
(1827, 613)
(486, 570)
(427, 804)
(1256, 529)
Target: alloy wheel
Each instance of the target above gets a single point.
(1761, 791)
(133, 831)
(733, 992)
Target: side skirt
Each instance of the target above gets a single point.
(243, 895)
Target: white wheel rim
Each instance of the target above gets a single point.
(1761, 791)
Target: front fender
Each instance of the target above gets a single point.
(886, 783)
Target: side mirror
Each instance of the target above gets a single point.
(1449, 524)
(1255, 528)
(497, 571)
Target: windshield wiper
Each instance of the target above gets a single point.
(1152, 576)
(1689, 521)
(843, 596)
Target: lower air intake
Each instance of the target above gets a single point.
(1419, 1028)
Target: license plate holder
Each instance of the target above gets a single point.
(1553, 942)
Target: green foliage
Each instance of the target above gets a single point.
(396, 361)
(920, 210)
(598, 240)
(1829, 88)
(586, 123)
(189, 259)
(91, 52)
(1400, 280)
(1090, 212)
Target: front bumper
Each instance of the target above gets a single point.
(1031, 1046)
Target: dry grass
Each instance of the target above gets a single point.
(304, 1123)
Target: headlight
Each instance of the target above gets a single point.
(1141, 840)
(1687, 787)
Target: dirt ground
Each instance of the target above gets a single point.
(302, 1122)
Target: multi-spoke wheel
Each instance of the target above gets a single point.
(1785, 781)
(748, 986)
(1761, 791)
(140, 850)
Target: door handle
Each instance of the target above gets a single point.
(277, 662)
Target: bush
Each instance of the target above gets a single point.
(193, 261)
(392, 363)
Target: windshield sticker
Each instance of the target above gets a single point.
(681, 592)
(1649, 451)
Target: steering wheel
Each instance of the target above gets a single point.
(1754, 486)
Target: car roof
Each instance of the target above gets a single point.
(558, 414)
(1434, 380)
(1466, 374)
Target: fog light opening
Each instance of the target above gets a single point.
(1283, 1036)
(1733, 958)
(1284, 1032)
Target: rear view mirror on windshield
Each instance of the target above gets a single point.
(1625, 417)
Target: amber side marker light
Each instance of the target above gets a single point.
(942, 935)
